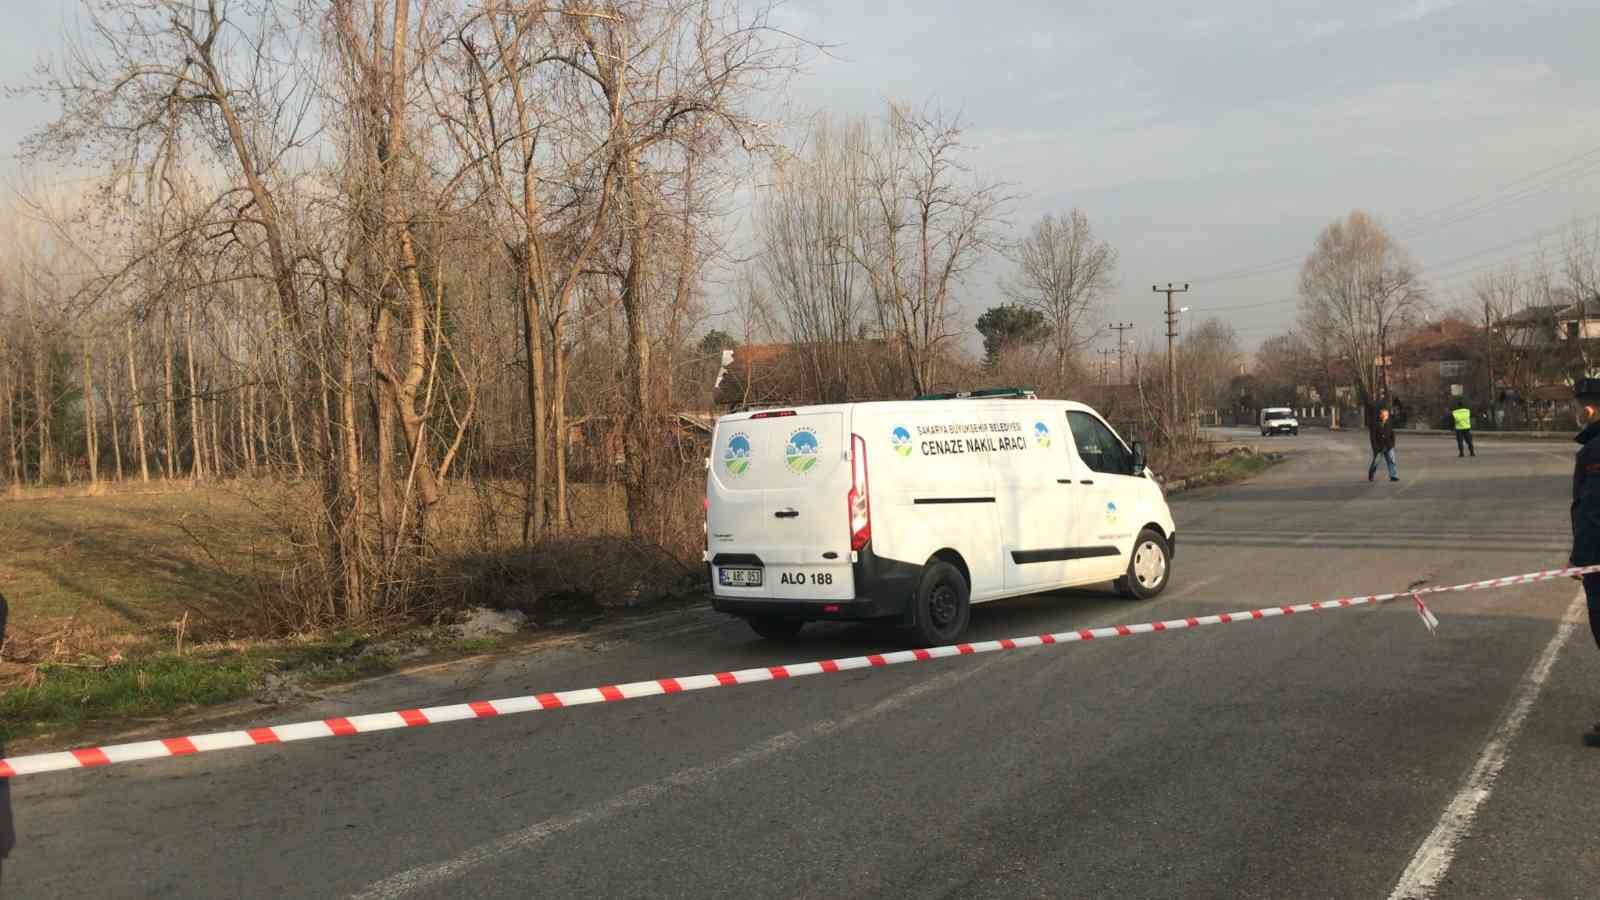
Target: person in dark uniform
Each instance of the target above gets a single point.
(8, 832)
(1382, 436)
(1586, 509)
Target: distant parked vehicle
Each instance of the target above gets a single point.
(1279, 420)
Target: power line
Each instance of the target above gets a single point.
(1585, 160)
(1517, 243)
(1520, 188)
(1261, 305)
(1449, 270)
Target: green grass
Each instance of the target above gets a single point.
(66, 701)
(72, 698)
(1231, 469)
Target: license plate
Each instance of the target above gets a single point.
(744, 578)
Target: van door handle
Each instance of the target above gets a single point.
(1087, 481)
(787, 514)
(1065, 481)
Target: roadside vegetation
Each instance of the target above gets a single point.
(132, 605)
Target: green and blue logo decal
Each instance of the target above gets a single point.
(736, 459)
(901, 440)
(803, 450)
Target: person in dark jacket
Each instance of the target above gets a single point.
(1382, 436)
(1586, 509)
(8, 832)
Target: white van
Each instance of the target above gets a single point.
(913, 510)
(1279, 420)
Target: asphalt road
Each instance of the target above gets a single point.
(1310, 756)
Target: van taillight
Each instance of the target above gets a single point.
(860, 506)
(778, 414)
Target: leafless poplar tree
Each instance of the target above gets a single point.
(924, 225)
(1357, 289)
(1063, 271)
(807, 224)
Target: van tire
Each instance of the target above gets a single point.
(1147, 575)
(941, 606)
(774, 628)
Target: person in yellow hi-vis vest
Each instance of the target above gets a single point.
(1463, 419)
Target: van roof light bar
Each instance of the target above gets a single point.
(1016, 393)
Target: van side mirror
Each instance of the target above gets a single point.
(1138, 459)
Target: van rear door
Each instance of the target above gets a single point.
(778, 515)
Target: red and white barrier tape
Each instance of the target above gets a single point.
(89, 757)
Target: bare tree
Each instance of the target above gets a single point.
(806, 224)
(318, 226)
(1063, 271)
(1208, 358)
(1358, 288)
(1522, 344)
(924, 226)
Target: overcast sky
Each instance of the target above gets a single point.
(1206, 138)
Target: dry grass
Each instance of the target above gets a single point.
(106, 571)
(141, 601)
(98, 574)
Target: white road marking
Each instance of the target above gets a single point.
(411, 880)
(1432, 860)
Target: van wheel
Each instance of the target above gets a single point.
(775, 629)
(1148, 568)
(940, 608)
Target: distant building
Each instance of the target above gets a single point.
(780, 374)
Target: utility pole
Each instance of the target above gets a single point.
(1172, 359)
(1122, 345)
(1105, 363)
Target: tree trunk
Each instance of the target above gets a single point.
(170, 408)
(289, 413)
(636, 377)
(407, 391)
(42, 407)
(260, 457)
(216, 436)
(138, 411)
(243, 456)
(383, 424)
(402, 389)
(294, 436)
(112, 414)
(14, 457)
(558, 409)
(91, 437)
(684, 287)
(533, 520)
(349, 504)
(196, 425)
